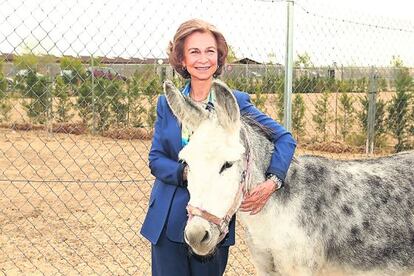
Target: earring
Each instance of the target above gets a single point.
(215, 75)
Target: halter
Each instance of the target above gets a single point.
(223, 223)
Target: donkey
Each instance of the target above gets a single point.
(336, 217)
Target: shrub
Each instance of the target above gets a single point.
(398, 110)
(298, 115)
(142, 100)
(5, 106)
(321, 116)
(64, 105)
(102, 103)
(37, 89)
(346, 120)
(73, 73)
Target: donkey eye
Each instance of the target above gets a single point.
(226, 165)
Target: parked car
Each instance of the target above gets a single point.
(23, 73)
(70, 76)
(10, 84)
(105, 72)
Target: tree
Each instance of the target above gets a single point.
(398, 110)
(231, 55)
(321, 116)
(303, 60)
(298, 115)
(260, 99)
(5, 106)
(26, 61)
(346, 120)
(102, 103)
(272, 58)
(38, 92)
(64, 105)
(76, 69)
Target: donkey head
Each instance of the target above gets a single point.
(214, 156)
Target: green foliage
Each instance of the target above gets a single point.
(305, 84)
(298, 116)
(382, 84)
(179, 82)
(272, 82)
(260, 100)
(344, 86)
(76, 69)
(95, 61)
(26, 61)
(64, 105)
(142, 94)
(231, 55)
(397, 62)
(5, 106)
(398, 110)
(151, 91)
(361, 85)
(37, 89)
(321, 116)
(3, 83)
(280, 98)
(347, 109)
(303, 60)
(102, 103)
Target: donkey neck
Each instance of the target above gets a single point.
(261, 150)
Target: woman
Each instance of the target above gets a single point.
(198, 52)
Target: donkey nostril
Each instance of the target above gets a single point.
(206, 237)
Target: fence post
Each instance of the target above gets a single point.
(372, 100)
(93, 96)
(49, 92)
(287, 113)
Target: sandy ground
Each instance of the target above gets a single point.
(74, 205)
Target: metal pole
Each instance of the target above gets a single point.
(93, 97)
(372, 99)
(287, 114)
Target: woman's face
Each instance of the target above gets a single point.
(200, 55)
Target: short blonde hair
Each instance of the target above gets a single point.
(176, 47)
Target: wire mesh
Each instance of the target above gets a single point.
(78, 87)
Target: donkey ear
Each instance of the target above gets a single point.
(183, 108)
(228, 112)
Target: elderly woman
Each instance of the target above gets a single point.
(198, 52)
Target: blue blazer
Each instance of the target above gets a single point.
(169, 197)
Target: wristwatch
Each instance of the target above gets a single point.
(274, 178)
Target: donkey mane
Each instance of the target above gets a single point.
(259, 128)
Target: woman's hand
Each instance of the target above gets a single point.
(256, 199)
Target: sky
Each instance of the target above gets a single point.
(350, 33)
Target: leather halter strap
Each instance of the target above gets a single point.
(223, 223)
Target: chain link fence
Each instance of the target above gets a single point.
(78, 86)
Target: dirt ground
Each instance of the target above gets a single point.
(74, 204)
